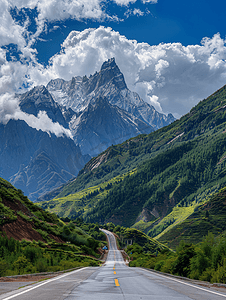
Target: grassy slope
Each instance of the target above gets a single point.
(180, 213)
(143, 240)
(208, 217)
(82, 202)
(13, 201)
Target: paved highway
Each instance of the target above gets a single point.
(114, 281)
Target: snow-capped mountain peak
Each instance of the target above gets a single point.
(109, 82)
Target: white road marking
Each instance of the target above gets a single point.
(185, 283)
(47, 281)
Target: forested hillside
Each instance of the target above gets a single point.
(146, 178)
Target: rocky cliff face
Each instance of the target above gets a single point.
(101, 124)
(121, 115)
(39, 99)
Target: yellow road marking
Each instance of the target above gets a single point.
(116, 282)
(114, 272)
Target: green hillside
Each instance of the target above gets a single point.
(175, 167)
(33, 240)
(82, 202)
(208, 217)
(119, 159)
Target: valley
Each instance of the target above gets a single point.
(112, 150)
(161, 191)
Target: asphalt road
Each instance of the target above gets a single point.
(114, 281)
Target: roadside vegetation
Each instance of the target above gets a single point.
(204, 261)
(34, 257)
(79, 247)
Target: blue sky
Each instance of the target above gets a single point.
(167, 21)
(171, 52)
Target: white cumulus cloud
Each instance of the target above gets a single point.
(171, 76)
(10, 32)
(9, 109)
(62, 9)
(77, 9)
(26, 69)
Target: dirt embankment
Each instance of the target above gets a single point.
(20, 228)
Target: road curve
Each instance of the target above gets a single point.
(114, 281)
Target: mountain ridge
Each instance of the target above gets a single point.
(39, 99)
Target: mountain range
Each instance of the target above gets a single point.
(66, 123)
(154, 182)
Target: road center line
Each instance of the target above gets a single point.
(116, 282)
(185, 283)
(47, 281)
